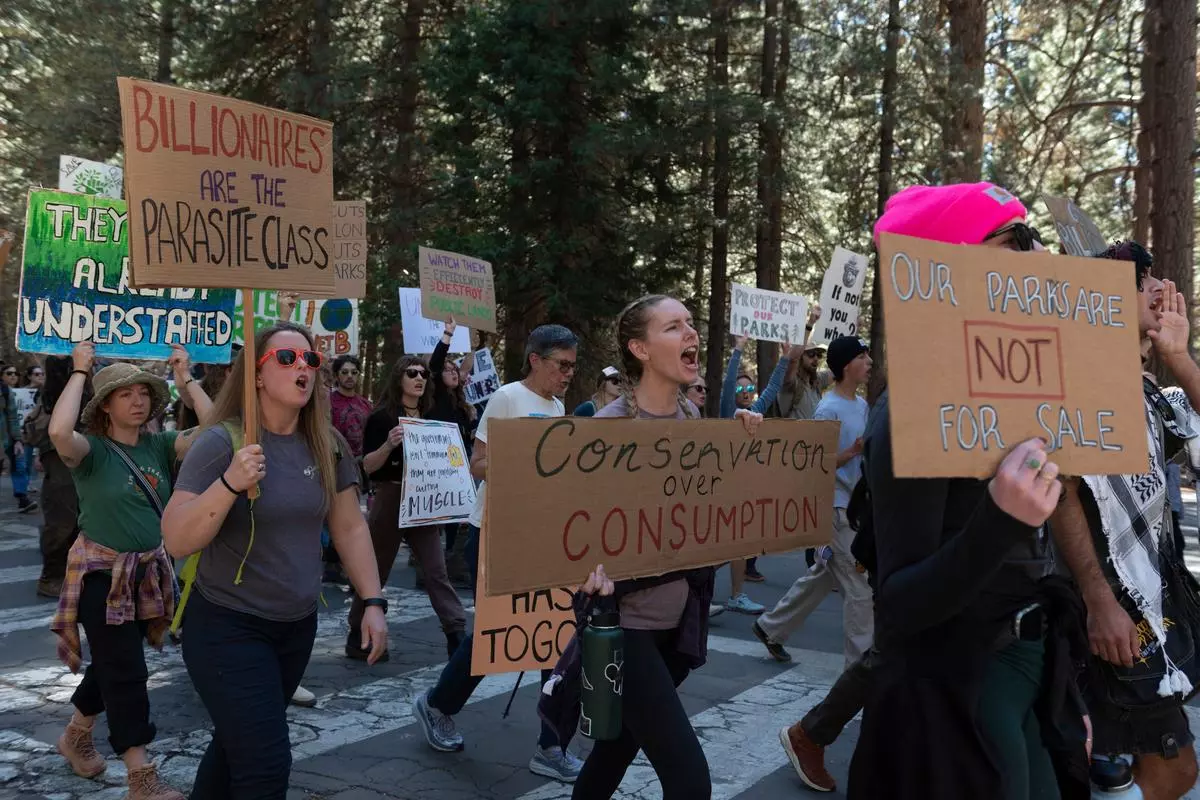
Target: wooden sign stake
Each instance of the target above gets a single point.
(250, 390)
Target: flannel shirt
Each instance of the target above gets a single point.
(154, 600)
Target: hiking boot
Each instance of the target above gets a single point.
(774, 648)
(144, 784)
(49, 587)
(555, 763)
(355, 650)
(439, 728)
(754, 576)
(807, 757)
(77, 748)
(742, 604)
(304, 698)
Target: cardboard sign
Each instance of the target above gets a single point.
(841, 296)
(988, 348)
(226, 193)
(81, 176)
(438, 487)
(422, 334)
(350, 248)
(484, 381)
(454, 285)
(334, 322)
(645, 498)
(518, 632)
(1078, 234)
(763, 314)
(75, 286)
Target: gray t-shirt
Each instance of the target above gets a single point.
(281, 579)
(853, 416)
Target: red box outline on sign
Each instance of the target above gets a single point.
(973, 393)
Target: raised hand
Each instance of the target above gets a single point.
(598, 583)
(1171, 338)
(83, 356)
(739, 342)
(1025, 485)
(814, 313)
(180, 362)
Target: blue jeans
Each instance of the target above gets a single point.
(20, 470)
(471, 554)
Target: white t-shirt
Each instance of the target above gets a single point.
(511, 401)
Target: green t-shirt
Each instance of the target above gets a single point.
(113, 511)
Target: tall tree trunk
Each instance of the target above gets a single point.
(962, 131)
(767, 172)
(320, 60)
(706, 157)
(718, 286)
(166, 40)
(887, 147)
(1143, 184)
(518, 326)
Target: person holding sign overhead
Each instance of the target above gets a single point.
(251, 623)
(975, 640)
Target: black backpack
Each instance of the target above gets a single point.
(861, 518)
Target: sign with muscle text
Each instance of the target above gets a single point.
(1076, 230)
(990, 347)
(767, 315)
(644, 498)
(437, 479)
(226, 193)
(458, 286)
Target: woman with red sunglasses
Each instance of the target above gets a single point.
(409, 393)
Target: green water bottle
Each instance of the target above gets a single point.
(603, 667)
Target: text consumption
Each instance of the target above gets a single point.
(767, 315)
(457, 286)
(226, 193)
(437, 481)
(646, 498)
(76, 286)
(988, 347)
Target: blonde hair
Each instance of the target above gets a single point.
(632, 323)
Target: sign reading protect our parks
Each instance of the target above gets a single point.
(459, 287)
(225, 193)
(75, 286)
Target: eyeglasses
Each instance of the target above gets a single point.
(291, 357)
(751, 389)
(417, 372)
(565, 367)
(1023, 236)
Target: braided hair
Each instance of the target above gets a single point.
(632, 323)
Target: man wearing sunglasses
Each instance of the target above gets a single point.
(1143, 611)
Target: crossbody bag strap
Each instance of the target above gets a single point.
(151, 496)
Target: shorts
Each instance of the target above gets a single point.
(1153, 732)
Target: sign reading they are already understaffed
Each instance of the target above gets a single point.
(225, 193)
(648, 497)
(989, 347)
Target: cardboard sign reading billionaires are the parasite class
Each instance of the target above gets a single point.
(645, 498)
(990, 347)
(224, 193)
(459, 287)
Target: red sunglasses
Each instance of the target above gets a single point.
(291, 357)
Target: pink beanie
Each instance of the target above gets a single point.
(962, 213)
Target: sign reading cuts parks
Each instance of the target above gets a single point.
(75, 286)
(989, 347)
(645, 499)
(226, 193)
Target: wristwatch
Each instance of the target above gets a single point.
(381, 602)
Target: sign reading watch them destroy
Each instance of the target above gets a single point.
(458, 287)
(647, 498)
(990, 347)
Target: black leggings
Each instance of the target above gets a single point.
(654, 721)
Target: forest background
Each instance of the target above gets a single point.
(594, 150)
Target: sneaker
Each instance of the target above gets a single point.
(774, 648)
(26, 505)
(715, 610)
(49, 587)
(355, 650)
(754, 576)
(77, 748)
(144, 784)
(304, 698)
(807, 757)
(555, 763)
(439, 728)
(742, 604)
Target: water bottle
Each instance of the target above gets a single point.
(603, 667)
(1112, 779)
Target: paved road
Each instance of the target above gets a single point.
(361, 743)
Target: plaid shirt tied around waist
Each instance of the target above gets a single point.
(154, 600)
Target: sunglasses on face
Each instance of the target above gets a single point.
(1023, 236)
(291, 357)
(564, 366)
(700, 389)
(615, 380)
(417, 372)
(747, 389)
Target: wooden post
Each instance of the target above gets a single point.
(250, 390)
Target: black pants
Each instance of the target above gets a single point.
(115, 681)
(824, 723)
(245, 670)
(654, 722)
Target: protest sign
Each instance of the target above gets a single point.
(75, 286)
(350, 248)
(438, 487)
(645, 499)
(23, 400)
(421, 334)
(763, 314)
(988, 348)
(518, 632)
(81, 176)
(458, 286)
(333, 322)
(1078, 234)
(226, 193)
(841, 297)
(484, 381)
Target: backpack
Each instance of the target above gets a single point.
(862, 520)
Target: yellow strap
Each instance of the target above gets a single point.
(188, 576)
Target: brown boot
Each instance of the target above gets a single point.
(77, 748)
(807, 757)
(144, 784)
